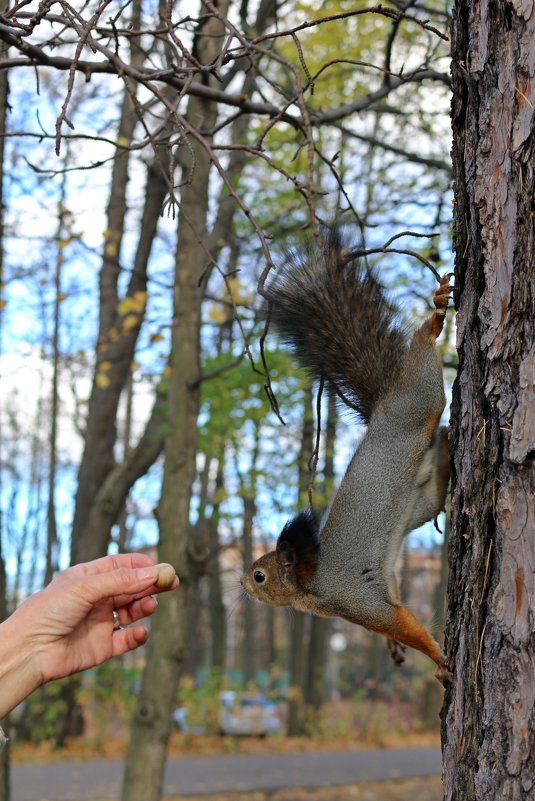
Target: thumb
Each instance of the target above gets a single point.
(124, 581)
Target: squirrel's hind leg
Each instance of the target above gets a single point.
(406, 629)
(433, 326)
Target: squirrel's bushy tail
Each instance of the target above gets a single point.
(333, 313)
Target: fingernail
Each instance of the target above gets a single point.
(143, 573)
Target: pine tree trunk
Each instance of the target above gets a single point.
(489, 712)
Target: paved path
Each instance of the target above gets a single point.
(101, 779)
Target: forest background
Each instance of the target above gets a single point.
(155, 166)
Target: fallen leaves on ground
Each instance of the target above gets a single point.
(428, 789)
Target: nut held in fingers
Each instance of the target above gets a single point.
(166, 575)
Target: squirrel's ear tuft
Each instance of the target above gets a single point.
(300, 534)
(297, 547)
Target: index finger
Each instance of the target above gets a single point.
(118, 587)
(166, 580)
(105, 565)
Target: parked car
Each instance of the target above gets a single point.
(248, 714)
(240, 714)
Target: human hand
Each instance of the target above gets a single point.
(69, 626)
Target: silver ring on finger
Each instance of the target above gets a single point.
(116, 624)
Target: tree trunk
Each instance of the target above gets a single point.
(113, 493)
(117, 347)
(218, 611)
(298, 653)
(489, 712)
(320, 627)
(168, 643)
(248, 493)
(296, 664)
(118, 326)
(440, 591)
(271, 620)
(51, 564)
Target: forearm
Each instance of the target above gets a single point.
(19, 675)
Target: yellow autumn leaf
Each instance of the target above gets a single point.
(294, 693)
(156, 337)
(133, 303)
(130, 322)
(125, 306)
(234, 285)
(238, 291)
(217, 315)
(102, 381)
(140, 299)
(112, 239)
(187, 683)
(105, 366)
(220, 495)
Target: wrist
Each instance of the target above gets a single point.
(20, 673)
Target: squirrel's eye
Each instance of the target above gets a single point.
(259, 577)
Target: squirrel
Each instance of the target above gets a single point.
(333, 313)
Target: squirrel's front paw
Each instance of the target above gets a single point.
(441, 300)
(442, 293)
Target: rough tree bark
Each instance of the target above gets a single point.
(489, 712)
